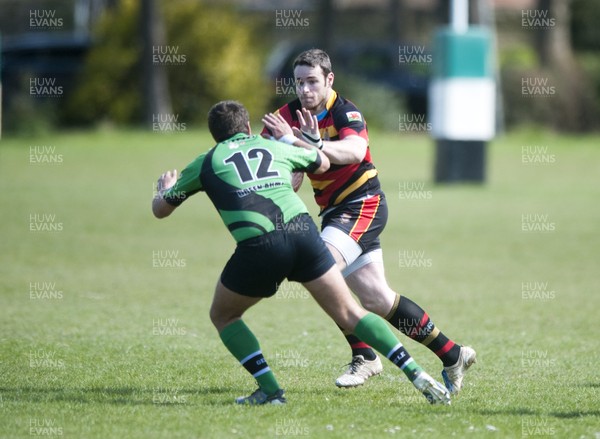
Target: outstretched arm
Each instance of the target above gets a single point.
(283, 132)
(160, 208)
(351, 149)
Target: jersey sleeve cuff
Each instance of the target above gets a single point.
(173, 200)
(314, 165)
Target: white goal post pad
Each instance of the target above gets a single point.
(462, 108)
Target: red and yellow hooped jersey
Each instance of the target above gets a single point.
(341, 183)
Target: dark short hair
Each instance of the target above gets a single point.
(226, 119)
(314, 58)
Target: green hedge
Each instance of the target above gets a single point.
(216, 59)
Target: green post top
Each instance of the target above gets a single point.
(463, 55)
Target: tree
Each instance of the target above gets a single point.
(553, 43)
(155, 83)
(326, 24)
(552, 40)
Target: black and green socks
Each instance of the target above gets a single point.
(358, 347)
(375, 331)
(243, 345)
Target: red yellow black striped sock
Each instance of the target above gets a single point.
(359, 347)
(414, 322)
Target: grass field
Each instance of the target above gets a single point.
(104, 331)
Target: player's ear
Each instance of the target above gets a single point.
(329, 79)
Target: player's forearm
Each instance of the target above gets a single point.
(160, 208)
(325, 163)
(302, 144)
(346, 151)
(323, 159)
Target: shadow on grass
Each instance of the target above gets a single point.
(164, 396)
(513, 411)
(521, 411)
(571, 415)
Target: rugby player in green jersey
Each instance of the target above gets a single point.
(354, 213)
(248, 179)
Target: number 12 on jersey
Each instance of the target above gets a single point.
(240, 161)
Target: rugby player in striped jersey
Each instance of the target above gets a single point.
(354, 213)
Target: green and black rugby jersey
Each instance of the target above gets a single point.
(248, 179)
